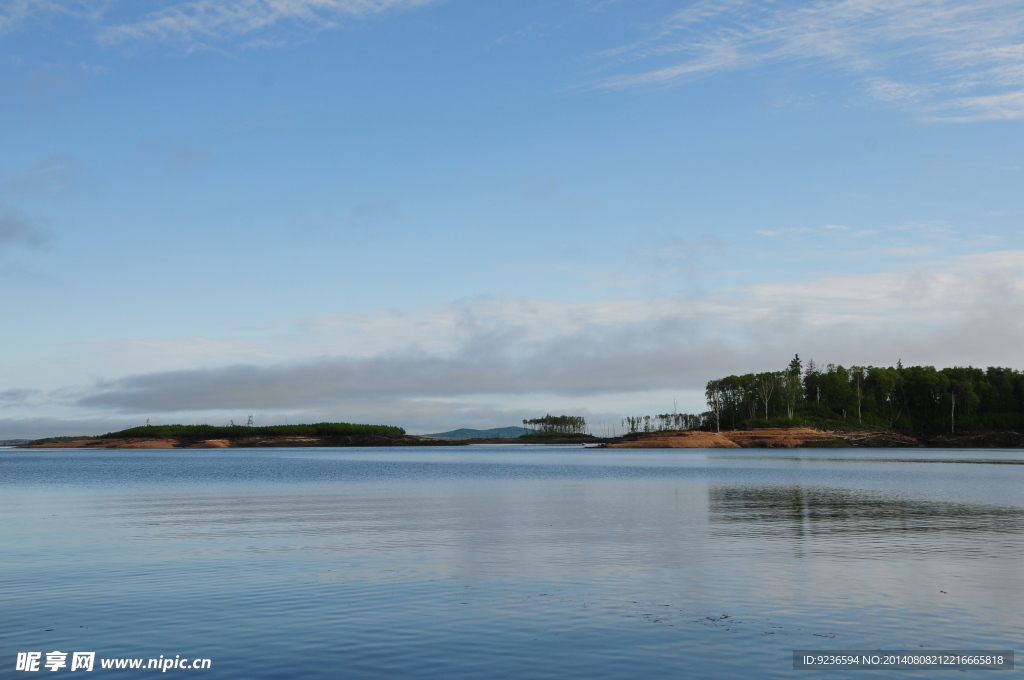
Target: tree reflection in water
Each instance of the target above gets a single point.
(800, 511)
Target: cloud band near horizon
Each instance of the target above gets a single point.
(921, 317)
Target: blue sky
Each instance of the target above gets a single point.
(450, 213)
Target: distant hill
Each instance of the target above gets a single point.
(494, 433)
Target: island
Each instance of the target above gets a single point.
(240, 436)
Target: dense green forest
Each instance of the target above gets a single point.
(237, 431)
(909, 398)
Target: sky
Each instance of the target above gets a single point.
(448, 213)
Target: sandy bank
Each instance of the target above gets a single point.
(768, 438)
(689, 439)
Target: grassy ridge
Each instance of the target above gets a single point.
(240, 431)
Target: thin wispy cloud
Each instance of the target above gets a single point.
(202, 23)
(19, 230)
(16, 397)
(953, 60)
(208, 19)
(205, 21)
(38, 427)
(368, 215)
(48, 176)
(13, 12)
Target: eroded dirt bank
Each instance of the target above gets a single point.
(805, 437)
(786, 438)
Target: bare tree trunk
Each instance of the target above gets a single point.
(894, 413)
(952, 415)
(766, 386)
(858, 386)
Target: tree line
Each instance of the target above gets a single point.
(909, 398)
(235, 431)
(550, 424)
(663, 422)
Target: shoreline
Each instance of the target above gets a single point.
(266, 441)
(788, 438)
(805, 437)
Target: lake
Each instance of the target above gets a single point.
(507, 561)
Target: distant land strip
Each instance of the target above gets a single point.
(240, 436)
(752, 438)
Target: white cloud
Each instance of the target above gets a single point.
(1007, 106)
(953, 60)
(964, 310)
(506, 356)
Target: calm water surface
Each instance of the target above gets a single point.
(507, 561)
